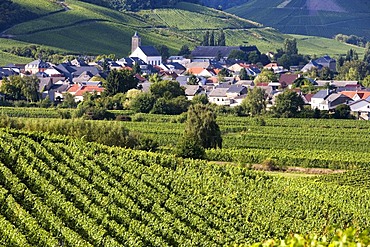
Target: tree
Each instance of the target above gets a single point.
(212, 39)
(164, 51)
(30, 88)
(253, 57)
(184, 51)
(143, 103)
(367, 53)
(243, 74)
(136, 69)
(68, 101)
(189, 147)
(287, 104)
(342, 112)
(167, 89)
(265, 76)
(255, 102)
(352, 75)
(193, 80)
(351, 55)
(366, 81)
(206, 39)
(238, 55)
(120, 81)
(201, 126)
(290, 46)
(221, 39)
(200, 99)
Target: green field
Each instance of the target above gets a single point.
(90, 29)
(39, 7)
(60, 191)
(296, 18)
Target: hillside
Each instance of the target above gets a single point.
(56, 191)
(84, 28)
(310, 17)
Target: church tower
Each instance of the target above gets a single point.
(135, 42)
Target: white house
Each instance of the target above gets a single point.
(325, 100)
(148, 54)
(362, 108)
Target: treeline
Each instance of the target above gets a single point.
(351, 39)
(11, 13)
(135, 5)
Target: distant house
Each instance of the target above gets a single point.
(251, 69)
(192, 90)
(361, 108)
(320, 63)
(78, 91)
(36, 66)
(275, 67)
(71, 71)
(219, 52)
(326, 100)
(327, 62)
(310, 66)
(287, 80)
(226, 94)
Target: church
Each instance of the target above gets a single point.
(149, 54)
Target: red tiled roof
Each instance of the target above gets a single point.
(195, 70)
(287, 79)
(89, 89)
(74, 88)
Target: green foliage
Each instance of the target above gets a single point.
(290, 47)
(55, 189)
(265, 76)
(255, 102)
(144, 103)
(200, 99)
(243, 74)
(119, 81)
(202, 127)
(288, 104)
(347, 237)
(342, 112)
(189, 147)
(351, 39)
(166, 89)
(184, 51)
(171, 106)
(21, 88)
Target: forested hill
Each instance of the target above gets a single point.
(135, 5)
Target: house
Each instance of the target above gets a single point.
(320, 63)
(192, 90)
(361, 108)
(219, 52)
(310, 66)
(78, 90)
(275, 67)
(356, 95)
(148, 54)
(71, 71)
(328, 62)
(327, 100)
(287, 80)
(226, 94)
(218, 96)
(251, 69)
(36, 66)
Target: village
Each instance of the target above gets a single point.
(207, 71)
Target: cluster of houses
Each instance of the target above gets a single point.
(78, 77)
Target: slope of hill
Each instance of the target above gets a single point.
(310, 17)
(84, 28)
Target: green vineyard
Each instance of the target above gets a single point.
(59, 191)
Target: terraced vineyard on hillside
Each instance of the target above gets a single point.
(60, 191)
(83, 28)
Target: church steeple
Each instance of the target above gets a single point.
(135, 42)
